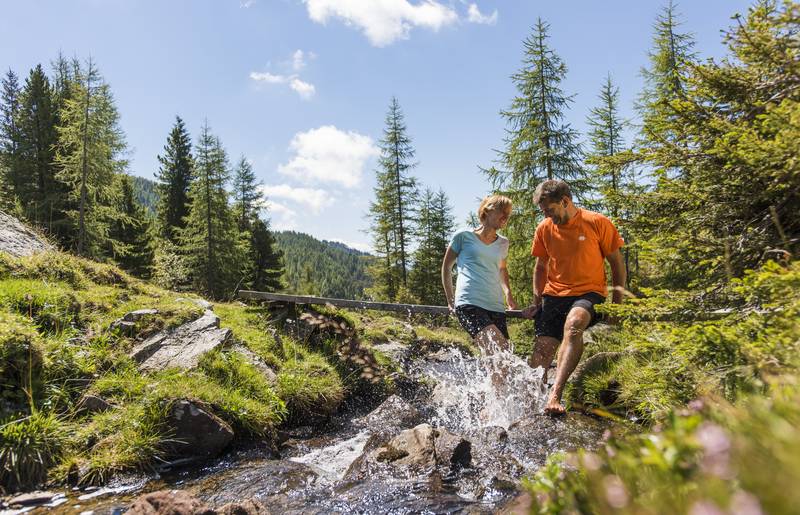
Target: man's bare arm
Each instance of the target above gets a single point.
(539, 279)
(618, 275)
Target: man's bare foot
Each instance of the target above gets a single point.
(554, 408)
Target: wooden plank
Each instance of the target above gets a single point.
(355, 304)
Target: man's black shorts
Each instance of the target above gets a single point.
(473, 319)
(553, 315)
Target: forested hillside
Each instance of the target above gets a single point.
(324, 268)
(146, 193)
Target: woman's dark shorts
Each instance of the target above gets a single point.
(551, 319)
(473, 319)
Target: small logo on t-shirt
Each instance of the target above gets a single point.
(581, 237)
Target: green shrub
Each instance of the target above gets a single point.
(52, 306)
(21, 362)
(310, 388)
(28, 448)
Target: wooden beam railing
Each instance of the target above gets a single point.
(355, 304)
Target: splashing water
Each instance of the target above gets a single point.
(494, 390)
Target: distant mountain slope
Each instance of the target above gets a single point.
(145, 192)
(324, 268)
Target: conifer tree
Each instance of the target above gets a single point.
(245, 194)
(174, 178)
(10, 140)
(539, 145)
(89, 154)
(131, 231)
(664, 79)
(265, 258)
(435, 225)
(37, 126)
(393, 206)
(210, 238)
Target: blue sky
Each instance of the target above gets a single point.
(301, 87)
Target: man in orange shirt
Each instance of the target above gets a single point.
(570, 245)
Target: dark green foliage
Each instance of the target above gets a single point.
(174, 179)
(433, 230)
(539, 145)
(10, 139)
(393, 208)
(333, 269)
(20, 364)
(266, 260)
(28, 448)
(734, 202)
(37, 124)
(131, 231)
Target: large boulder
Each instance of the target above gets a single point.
(195, 431)
(18, 240)
(183, 346)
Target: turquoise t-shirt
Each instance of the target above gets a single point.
(478, 265)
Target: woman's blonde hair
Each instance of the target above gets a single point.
(492, 203)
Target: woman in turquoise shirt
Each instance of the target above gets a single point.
(482, 287)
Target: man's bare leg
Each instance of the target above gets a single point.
(543, 352)
(569, 355)
(490, 340)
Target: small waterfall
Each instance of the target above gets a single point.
(494, 390)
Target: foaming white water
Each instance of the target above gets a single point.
(494, 390)
(331, 462)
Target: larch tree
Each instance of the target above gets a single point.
(10, 141)
(393, 207)
(539, 145)
(210, 239)
(90, 153)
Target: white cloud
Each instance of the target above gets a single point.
(304, 89)
(298, 60)
(313, 199)
(281, 217)
(268, 78)
(474, 16)
(246, 4)
(383, 21)
(329, 155)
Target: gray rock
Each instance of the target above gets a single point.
(172, 502)
(18, 240)
(414, 447)
(392, 416)
(32, 498)
(196, 432)
(93, 404)
(123, 327)
(135, 316)
(255, 360)
(183, 346)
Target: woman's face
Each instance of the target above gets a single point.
(496, 219)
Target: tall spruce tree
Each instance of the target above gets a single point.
(393, 207)
(89, 155)
(539, 145)
(14, 183)
(210, 238)
(37, 126)
(245, 194)
(174, 179)
(131, 232)
(265, 258)
(435, 224)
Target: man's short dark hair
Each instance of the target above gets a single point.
(551, 191)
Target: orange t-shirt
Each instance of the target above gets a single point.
(576, 251)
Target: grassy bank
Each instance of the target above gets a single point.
(57, 346)
(718, 403)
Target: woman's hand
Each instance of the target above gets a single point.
(512, 304)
